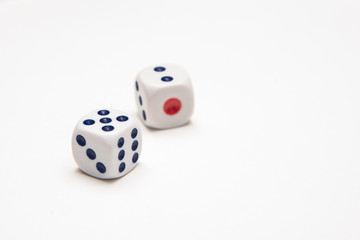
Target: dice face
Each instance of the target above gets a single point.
(106, 143)
(164, 96)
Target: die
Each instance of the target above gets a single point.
(107, 143)
(164, 96)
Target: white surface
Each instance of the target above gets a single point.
(272, 151)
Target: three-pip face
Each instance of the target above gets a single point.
(164, 96)
(107, 143)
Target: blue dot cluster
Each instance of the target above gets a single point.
(140, 100)
(122, 153)
(134, 145)
(105, 120)
(164, 78)
(90, 153)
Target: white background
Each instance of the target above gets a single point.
(272, 151)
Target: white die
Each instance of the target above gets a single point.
(164, 96)
(107, 143)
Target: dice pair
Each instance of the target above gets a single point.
(107, 143)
